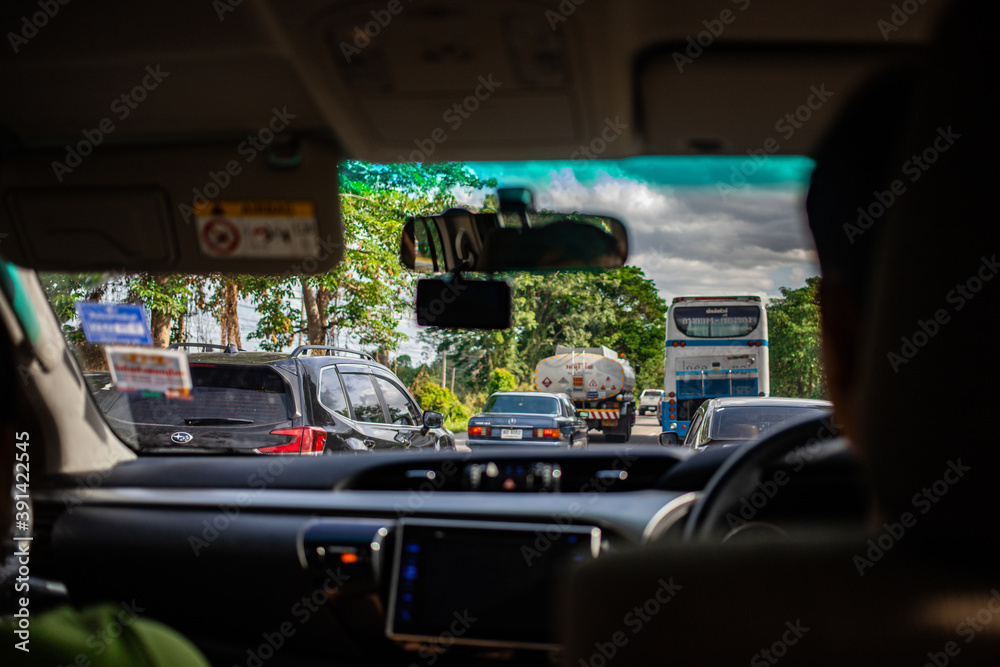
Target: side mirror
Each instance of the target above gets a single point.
(583, 414)
(669, 439)
(431, 420)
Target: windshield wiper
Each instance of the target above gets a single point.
(215, 421)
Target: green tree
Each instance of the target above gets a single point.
(369, 291)
(795, 341)
(501, 379)
(440, 399)
(65, 289)
(165, 295)
(620, 309)
(403, 367)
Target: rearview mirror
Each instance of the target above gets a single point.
(460, 240)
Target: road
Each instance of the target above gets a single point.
(644, 432)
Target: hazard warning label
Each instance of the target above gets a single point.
(279, 229)
(547, 382)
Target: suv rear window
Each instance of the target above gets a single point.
(257, 394)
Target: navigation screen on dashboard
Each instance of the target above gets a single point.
(480, 582)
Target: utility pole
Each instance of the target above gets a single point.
(453, 379)
(444, 371)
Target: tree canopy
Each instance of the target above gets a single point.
(795, 341)
(620, 309)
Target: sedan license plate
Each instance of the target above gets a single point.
(510, 434)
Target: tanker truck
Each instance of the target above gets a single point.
(598, 381)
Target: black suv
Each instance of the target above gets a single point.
(271, 403)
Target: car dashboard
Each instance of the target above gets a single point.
(350, 558)
(391, 558)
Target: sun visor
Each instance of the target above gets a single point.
(235, 207)
(747, 99)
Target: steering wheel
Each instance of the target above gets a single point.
(740, 475)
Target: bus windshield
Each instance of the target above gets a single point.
(716, 321)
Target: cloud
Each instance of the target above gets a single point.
(690, 240)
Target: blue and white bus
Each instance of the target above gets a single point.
(716, 346)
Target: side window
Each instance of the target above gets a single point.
(401, 409)
(693, 428)
(331, 393)
(705, 433)
(570, 408)
(364, 400)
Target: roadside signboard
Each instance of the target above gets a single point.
(114, 323)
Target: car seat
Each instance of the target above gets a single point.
(922, 586)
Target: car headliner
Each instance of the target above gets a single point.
(231, 66)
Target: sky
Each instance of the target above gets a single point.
(698, 226)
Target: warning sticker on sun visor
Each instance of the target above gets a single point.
(257, 229)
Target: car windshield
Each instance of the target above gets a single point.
(749, 423)
(223, 325)
(517, 404)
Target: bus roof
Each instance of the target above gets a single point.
(679, 299)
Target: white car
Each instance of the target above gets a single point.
(649, 399)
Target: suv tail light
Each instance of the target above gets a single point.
(307, 440)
